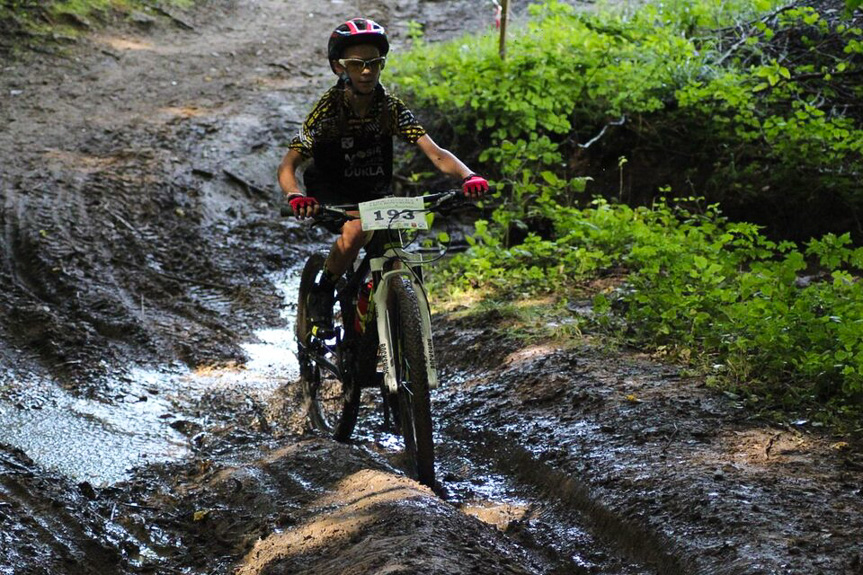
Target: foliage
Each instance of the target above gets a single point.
(744, 107)
(562, 66)
(762, 97)
(780, 113)
(715, 293)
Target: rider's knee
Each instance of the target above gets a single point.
(353, 234)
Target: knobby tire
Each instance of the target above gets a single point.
(412, 374)
(332, 406)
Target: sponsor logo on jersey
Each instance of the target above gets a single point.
(364, 171)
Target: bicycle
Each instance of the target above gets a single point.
(382, 333)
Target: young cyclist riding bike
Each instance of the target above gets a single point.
(349, 137)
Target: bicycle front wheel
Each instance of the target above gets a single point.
(331, 404)
(405, 323)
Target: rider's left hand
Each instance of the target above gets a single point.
(474, 186)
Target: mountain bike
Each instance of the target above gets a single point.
(381, 335)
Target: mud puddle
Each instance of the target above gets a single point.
(143, 417)
(92, 440)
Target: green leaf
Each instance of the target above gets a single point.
(550, 178)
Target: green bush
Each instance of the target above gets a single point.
(746, 109)
(779, 126)
(715, 293)
(777, 319)
(563, 67)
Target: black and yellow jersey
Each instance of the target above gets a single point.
(353, 155)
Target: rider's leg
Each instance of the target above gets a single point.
(346, 248)
(342, 254)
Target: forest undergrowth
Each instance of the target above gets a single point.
(628, 145)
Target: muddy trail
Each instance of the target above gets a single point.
(149, 417)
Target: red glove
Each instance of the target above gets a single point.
(300, 203)
(474, 186)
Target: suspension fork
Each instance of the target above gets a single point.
(381, 294)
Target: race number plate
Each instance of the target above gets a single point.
(393, 214)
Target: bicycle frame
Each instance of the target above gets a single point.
(387, 259)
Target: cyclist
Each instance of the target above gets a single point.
(349, 137)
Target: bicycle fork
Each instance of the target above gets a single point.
(380, 296)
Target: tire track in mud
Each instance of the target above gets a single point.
(656, 463)
(547, 514)
(40, 525)
(623, 536)
(621, 531)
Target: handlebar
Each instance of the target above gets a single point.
(342, 212)
(431, 201)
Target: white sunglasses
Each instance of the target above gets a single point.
(358, 64)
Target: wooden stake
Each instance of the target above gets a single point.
(504, 13)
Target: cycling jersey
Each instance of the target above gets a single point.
(353, 155)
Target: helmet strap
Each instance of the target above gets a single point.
(345, 82)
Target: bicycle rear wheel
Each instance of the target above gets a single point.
(412, 373)
(331, 404)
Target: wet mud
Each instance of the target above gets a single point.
(150, 421)
(676, 475)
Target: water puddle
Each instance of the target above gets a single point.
(89, 440)
(101, 440)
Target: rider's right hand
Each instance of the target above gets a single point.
(474, 186)
(303, 206)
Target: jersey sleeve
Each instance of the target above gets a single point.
(407, 127)
(304, 141)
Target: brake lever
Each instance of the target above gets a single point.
(452, 204)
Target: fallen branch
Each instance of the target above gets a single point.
(823, 75)
(249, 187)
(732, 50)
(765, 19)
(597, 137)
(121, 220)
